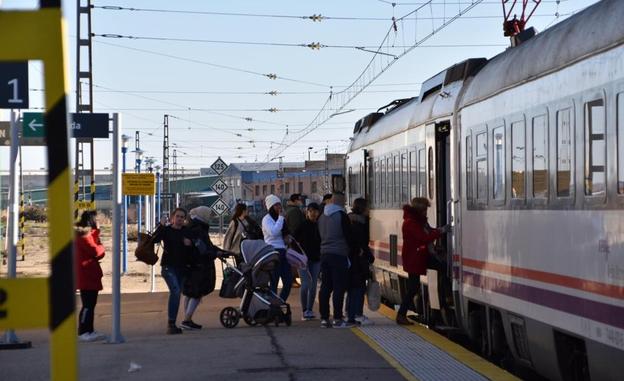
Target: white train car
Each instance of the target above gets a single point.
(524, 155)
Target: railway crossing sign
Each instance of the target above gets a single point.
(219, 166)
(220, 207)
(14, 85)
(219, 186)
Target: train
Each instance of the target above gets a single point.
(523, 154)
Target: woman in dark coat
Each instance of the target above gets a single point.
(202, 276)
(361, 258)
(89, 252)
(418, 238)
(174, 262)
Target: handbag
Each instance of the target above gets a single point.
(145, 250)
(297, 259)
(373, 292)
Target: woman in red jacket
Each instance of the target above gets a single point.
(418, 239)
(89, 250)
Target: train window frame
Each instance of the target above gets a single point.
(537, 201)
(499, 125)
(481, 157)
(430, 173)
(405, 177)
(422, 175)
(557, 198)
(396, 167)
(467, 157)
(594, 199)
(519, 120)
(619, 131)
(413, 173)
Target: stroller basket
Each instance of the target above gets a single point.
(229, 289)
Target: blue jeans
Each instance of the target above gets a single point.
(284, 271)
(334, 281)
(309, 279)
(355, 302)
(174, 277)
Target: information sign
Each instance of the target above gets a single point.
(14, 312)
(138, 184)
(220, 207)
(14, 85)
(89, 125)
(32, 125)
(219, 186)
(219, 166)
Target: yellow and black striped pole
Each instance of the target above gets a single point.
(92, 204)
(41, 35)
(76, 198)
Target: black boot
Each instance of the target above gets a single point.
(172, 329)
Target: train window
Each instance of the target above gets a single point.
(498, 142)
(422, 174)
(413, 175)
(351, 182)
(404, 178)
(620, 135)
(564, 153)
(430, 172)
(377, 183)
(518, 160)
(540, 158)
(481, 167)
(595, 148)
(469, 168)
(397, 179)
(384, 182)
(389, 181)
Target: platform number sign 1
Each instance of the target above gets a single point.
(13, 85)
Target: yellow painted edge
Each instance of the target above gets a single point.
(461, 354)
(386, 356)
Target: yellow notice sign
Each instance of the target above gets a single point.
(88, 205)
(24, 303)
(138, 184)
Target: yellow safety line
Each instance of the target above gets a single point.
(382, 352)
(461, 354)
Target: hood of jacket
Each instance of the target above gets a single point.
(331, 209)
(410, 213)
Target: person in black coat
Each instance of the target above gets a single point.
(361, 258)
(202, 274)
(310, 240)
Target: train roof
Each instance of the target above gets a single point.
(437, 98)
(595, 29)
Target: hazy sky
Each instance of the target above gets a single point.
(145, 79)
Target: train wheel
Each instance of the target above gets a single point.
(229, 317)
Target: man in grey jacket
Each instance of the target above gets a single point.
(336, 242)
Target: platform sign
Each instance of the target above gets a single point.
(220, 207)
(138, 184)
(14, 312)
(89, 125)
(167, 196)
(219, 166)
(32, 125)
(219, 186)
(14, 85)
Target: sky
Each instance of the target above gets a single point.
(213, 85)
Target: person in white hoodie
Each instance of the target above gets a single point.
(274, 230)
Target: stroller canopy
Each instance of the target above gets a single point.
(254, 250)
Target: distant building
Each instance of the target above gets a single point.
(252, 182)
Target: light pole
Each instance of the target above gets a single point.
(139, 155)
(124, 227)
(157, 219)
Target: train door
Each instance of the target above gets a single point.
(438, 141)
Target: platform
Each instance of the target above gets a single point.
(301, 352)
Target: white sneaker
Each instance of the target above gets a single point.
(363, 320)
(95, 336)
(86, 337)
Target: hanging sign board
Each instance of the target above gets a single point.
(14, 85)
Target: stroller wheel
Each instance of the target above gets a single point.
(229, 317)
(250, 321)
(288, 319)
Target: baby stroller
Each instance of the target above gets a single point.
(250, 281)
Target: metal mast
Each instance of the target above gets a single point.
(84, 103)
(165, 161)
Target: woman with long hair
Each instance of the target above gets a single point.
(241, 227)
(89, 252)
(177, 247)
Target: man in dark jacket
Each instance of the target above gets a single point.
(308, 237)
(293, 213)
(336, 244)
